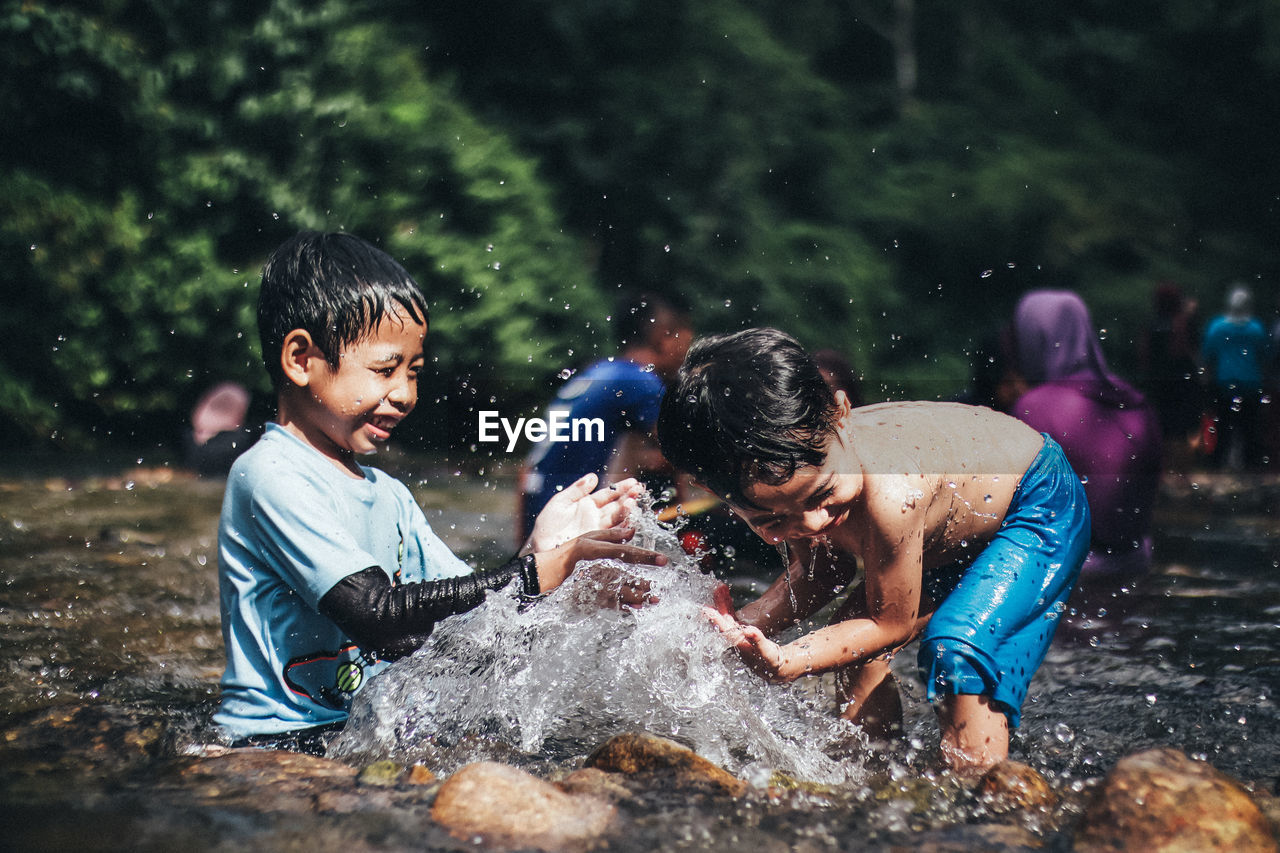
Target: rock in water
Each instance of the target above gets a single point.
(507, 808)
(645, 754)
(1161, 800)
(267, 779)
(1014, 786)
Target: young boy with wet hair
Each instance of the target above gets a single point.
(327, 567)
(970, 527)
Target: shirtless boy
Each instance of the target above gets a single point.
(970, 528)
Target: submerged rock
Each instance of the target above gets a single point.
(1014, 786)
(989, 838)
(1161, 800)
(381, 774)
(96, 732)
(267, 779)
(506, 808)
(420, 774)
(596, 782)
(639, 754)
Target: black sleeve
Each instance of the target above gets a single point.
(395, 620)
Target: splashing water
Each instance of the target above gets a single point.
(561, 675)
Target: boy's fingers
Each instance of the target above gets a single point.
(727, 624)
(632, 554)
(611, 534)
(617, 513)
(607, 544)
(581, 487)
(616, 491)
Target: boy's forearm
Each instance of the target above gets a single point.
(797, 594)
(843, 644)
(395, 619)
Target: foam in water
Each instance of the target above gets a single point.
(561, 675)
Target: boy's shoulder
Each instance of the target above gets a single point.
(279, 463)
(926, 442)
(915, 425)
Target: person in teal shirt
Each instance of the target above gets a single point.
(1235, 350)
(327, 567)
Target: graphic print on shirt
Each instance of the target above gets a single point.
(329, 678)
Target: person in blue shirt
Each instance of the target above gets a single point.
(327, 567)
(1235, 351)
(624, 393)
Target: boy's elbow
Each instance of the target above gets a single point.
(901, 630)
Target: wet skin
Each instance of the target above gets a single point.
(352, 409)
(904, 487)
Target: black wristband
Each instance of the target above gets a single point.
(529, 575)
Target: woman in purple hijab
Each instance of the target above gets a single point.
(1109, 432)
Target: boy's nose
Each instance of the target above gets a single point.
(403, 394)
(811, 523)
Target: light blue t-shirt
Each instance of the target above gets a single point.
(293, 525)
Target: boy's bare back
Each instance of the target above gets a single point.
(943, 471)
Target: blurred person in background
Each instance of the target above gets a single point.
(1169, 364)
(623, 391)
(1110, 433)
(1235, 351)
(219, 430)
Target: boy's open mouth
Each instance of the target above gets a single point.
(381, 427)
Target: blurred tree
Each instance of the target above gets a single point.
(881, 176)
(135, 283)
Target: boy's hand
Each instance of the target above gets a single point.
(556, 564)
(762, 655)
(614, 588)
(576, 510)
(722, 600)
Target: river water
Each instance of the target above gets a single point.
(111, 650)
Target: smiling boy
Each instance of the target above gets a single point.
(969, 525)
(327, 567)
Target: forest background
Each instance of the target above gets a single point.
(881, 176)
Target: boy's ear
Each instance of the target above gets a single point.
(297, 357)
(843, 408)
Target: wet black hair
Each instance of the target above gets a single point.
(335, 286)
(746, 407)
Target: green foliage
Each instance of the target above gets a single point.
(527, 161)
(133, 297)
